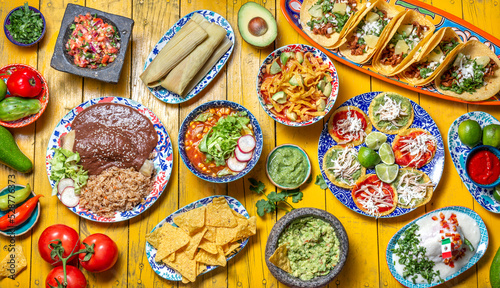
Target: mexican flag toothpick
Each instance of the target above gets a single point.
(446, 248)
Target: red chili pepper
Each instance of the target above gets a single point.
(17, 216)
(24, 83)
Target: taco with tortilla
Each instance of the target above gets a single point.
(327, 21)
(404, 42)
(473, 74)
(440, 49)
(369, 31)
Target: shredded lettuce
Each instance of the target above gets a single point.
(219, 143)
(65, 165)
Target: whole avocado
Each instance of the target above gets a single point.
(495, 271)
(11, 155)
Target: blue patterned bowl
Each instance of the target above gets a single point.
(30, 222)
(162, 161)
(298, 48)
(9, 36)
(172, 98)
(476, 150)
(170, 274)
(480, 249)
(216, 104)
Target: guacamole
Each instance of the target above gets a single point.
(313, 247)
(401, 120)
(288, 167)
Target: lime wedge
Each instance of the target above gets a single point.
(387, 173)
(367, 157)
(375, 139)
(386, 154)
(496, 193)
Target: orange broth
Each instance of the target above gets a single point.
(195, 134)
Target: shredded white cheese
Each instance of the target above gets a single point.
(417, 146)
(350, 128)
(345, 165)
(390, 111)
(409, 189)
(372, 198)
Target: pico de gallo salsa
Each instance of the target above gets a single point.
(93, 43)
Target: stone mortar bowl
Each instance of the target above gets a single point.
(279, 227)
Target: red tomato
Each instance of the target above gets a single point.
(74, 277)
(69, 239)
(104, 256)
(24, 83)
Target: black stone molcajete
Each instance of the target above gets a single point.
(272, 244)
(62, 61)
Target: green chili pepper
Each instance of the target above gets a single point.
(15, 198)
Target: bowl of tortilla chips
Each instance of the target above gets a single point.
(199, 237)
(307, 247)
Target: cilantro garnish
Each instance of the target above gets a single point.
(25, 26)
(320, 182)
(274, 200)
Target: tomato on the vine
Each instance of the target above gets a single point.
(69, 240)
(74, 278)
(104, 255)
(24, 83)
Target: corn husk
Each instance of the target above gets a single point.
(221, 50)
(179, 78)
(180, 46)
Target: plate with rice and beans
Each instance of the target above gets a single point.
(109, 159)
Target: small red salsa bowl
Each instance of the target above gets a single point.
(482, 166)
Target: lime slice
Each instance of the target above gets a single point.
(496, 193)
(386, 154)
(375, 139)
(387, 173)
(367, 157)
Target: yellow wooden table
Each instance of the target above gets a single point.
(368, 238)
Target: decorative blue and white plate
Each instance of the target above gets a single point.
(480, 250)
(30, 222)
(433, 169)
(298, 48)
(162, 162)
(459, 152)
(172, 98)
(170, 274)
(216, 104)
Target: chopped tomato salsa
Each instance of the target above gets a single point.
(93, 43)
(484, 167)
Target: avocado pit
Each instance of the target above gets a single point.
(257, 26)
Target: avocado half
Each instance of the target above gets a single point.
(257, 25)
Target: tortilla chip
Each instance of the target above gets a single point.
(194, 242)
(219, 214)
(210, 235)
(185, 281)
(16, 257)
(200, 268)
(208, 246)
(182, 264)
(171, 257)
(191, 221)
(229, 248)
(237, 215)
(171, 240)
(154, 238)
(280, 258)
(246, 229)
(224, 235)
(211, 259)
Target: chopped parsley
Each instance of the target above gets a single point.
(447, 46)
(26, 25)
(425, 72)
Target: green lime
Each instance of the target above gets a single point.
(367, 157)
(496, 193)
(491, 135)
(469, 132)
(386, 154)
(387, 173)
(3, 89)
(375, 139)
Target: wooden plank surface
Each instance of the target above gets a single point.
(368, 238)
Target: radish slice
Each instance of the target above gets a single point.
(246, 143)
(69, 198)
(235, 165)
(66, 182)
(241, 156)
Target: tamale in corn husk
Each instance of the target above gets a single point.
(221, 50)
(181, 45)
(179, 78)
